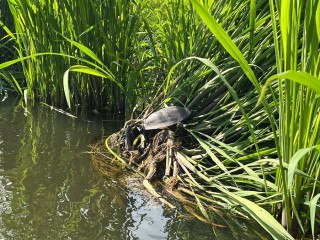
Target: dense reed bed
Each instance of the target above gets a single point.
(6, 20)
(10, 79)
(247, 70)
(101, 39)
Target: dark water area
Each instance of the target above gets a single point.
(50, 190)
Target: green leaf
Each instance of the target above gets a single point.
(233, 93)
(16, 84)
(86, 50)
(253, 15)
(225, 41)
(91, 71)
(7, 30)
(86, 70)
(264, 218)
(12, 62)
(302, 78)
(293, 164)
(318, 20)
(202, 209)
(313, 207)
(212, 155)
(66, 87)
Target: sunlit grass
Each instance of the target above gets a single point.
(108, 29)
(298, 47)
(297, 177)
(10, 78)
(248, 71)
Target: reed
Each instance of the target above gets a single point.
(76, 28)
(248, 71)
(291, 189)
(5, 20)
(231, 135)
(296, 31)
(11, 78)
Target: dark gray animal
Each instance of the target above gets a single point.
(166, 117)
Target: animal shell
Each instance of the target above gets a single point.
(166, 117)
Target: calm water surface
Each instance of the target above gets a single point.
(49, 189)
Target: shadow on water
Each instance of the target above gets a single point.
(49, 190)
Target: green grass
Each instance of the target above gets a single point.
(11, 78)
(298, 47)
(109, 30)
(296, 134)
(248, 70)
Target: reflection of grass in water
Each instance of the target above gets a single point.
(51, 183)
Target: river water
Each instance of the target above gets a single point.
(50, 190)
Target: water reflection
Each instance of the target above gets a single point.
(49, 190)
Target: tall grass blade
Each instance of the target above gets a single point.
(226, 41)
(295, 160)
(66, 87)
(318, 20)
(208, 63)
(86, 70)
(313, 209)
(302, 78)
(86, 50)
(7, 30)
(264, 218)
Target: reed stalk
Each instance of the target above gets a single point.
(295, 96)
(221, 60)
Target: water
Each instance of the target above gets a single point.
(49, 189)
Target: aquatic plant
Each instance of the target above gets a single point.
(297, 37)
(11, 78)
(90, 37)
(247, 70)
(228, 133)
(238, 155)
(296, 137)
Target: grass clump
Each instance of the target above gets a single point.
(247, 70)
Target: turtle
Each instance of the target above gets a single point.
(166, 117)
(158, 120)
(165, 139)
(163, 145)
